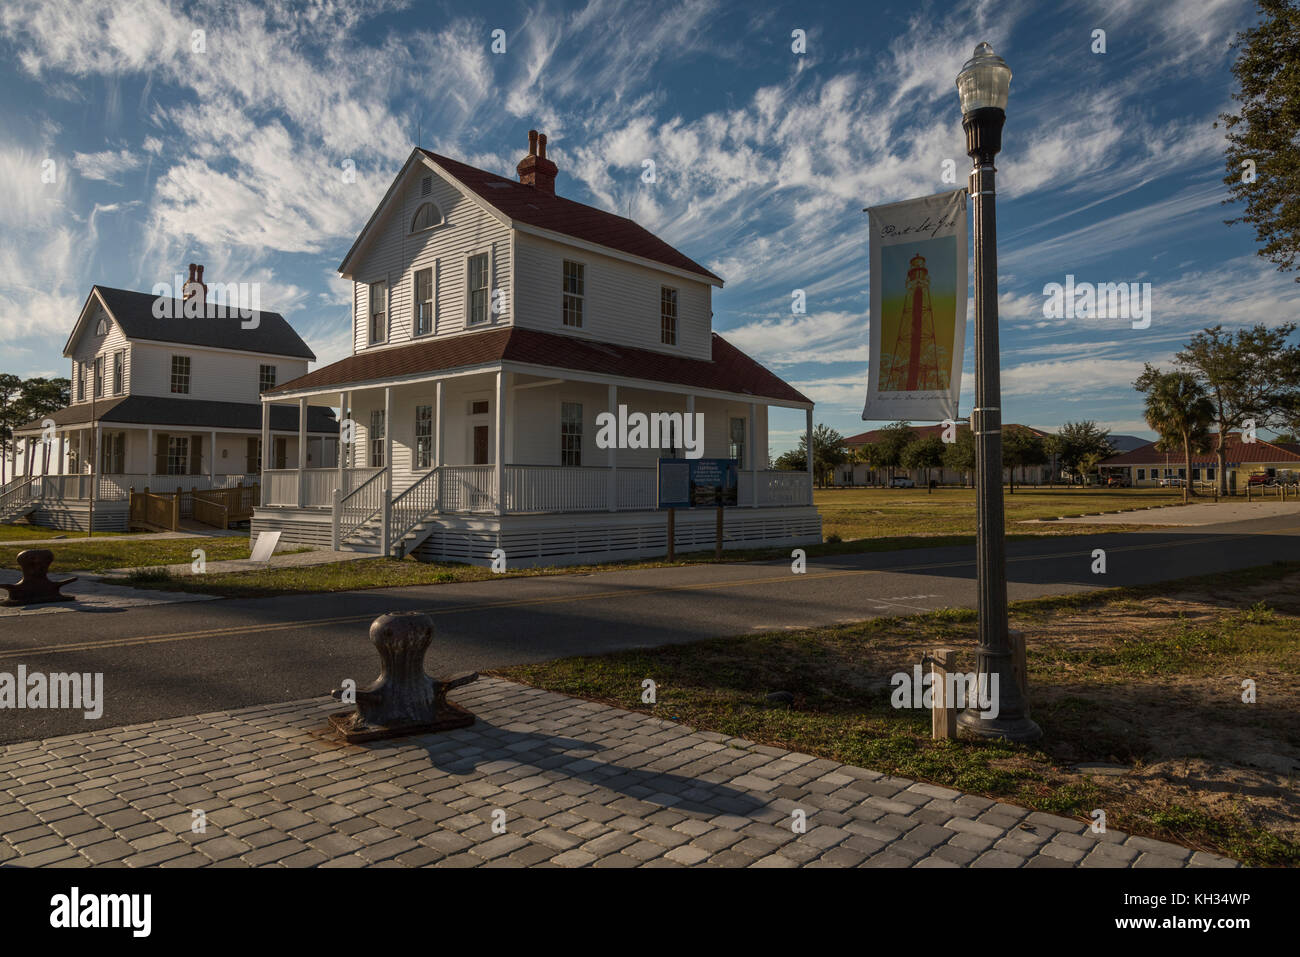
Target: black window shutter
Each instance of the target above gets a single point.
(196, 454)
(160, 454)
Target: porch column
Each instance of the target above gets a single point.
(94, 465)
(751, 450)
(808, 434)
(212, 459)
(386, 521)
(611, 454)
(343, 414)
(437, 424)
(266, 445)
(302, 451)
(501, 442)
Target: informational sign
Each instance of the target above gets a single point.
(697, 483)
(918, 308)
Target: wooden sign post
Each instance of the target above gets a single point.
(943, 713)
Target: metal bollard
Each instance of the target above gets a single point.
(36, 586)
(403, 699)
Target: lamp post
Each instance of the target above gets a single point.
(983, 85)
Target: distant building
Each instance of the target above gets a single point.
(1146, 466)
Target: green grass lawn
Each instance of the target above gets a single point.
(863, 520)
(106, 553)
(18, 533)
(1146, 677)
(857, 513)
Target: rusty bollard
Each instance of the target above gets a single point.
(403, 699)
(35, 586)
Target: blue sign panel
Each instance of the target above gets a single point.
(702, 483)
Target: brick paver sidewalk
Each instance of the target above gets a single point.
(578, 784)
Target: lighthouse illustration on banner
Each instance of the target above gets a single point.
(917, 360)
(917, 322)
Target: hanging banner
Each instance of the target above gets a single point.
(918, 308)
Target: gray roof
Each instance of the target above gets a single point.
(134, 312)
(189, 414)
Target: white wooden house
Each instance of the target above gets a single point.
(169, 401)
(492, 322)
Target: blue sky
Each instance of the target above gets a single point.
(1110, 171)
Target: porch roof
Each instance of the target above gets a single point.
(730, 370)
(187, 413)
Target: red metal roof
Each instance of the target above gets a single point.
(1237, 453)
(730, 370)
(537, 207)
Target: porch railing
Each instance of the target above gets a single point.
(542, 488)
(18, 492)
(281, 485)
(467, 488)
(115, 487)
(417, 501)
(359, 506)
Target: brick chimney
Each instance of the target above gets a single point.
(195, 286)
(535, 169)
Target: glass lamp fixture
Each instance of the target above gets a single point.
(984, 82)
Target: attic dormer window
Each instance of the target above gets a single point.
(426, 217)
(102, 328)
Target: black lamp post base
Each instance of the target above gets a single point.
(1017, 728)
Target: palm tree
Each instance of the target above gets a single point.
(1179, 411)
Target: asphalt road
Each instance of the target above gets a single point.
(161, 661)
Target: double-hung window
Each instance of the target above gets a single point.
(378, 312)
(571, 434)
(424, 436)
(668, 316)
(181, 376)
(265, 378)
(423, 302)
(476, 270)
(574, 293)
(119, 373)
(178, 455)
(99, 377)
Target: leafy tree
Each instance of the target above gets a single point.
(1079, 446)
(923, 453)
(10, 386)
(1021, 448)
(888, 452)
(959, 456)
(1263, 152)
(1179, 411)
(39, 397)
(1248, 374)
(828, 452)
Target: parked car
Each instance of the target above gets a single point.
(1171, 481)
(1117, 481)
(1258, 478)
(901, 481)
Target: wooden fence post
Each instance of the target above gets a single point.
(943, 714)
(672, 534)
(717, 547)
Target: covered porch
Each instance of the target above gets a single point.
(499, 448)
